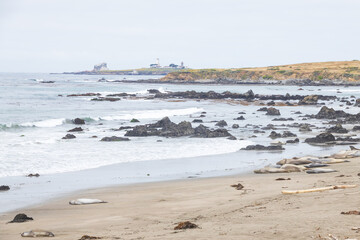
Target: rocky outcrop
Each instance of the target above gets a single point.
(78, 121)
(330, 113)
(272, 111)
(309, 100)
(203, 132)
(285, 134)
(69, 136)
(221, 123)
(77, 129)
(166, 128)
(4, 188)
(108, 99)
(338, 128)
(84, 95)
(321, 138)
(114, 139)
(261, 147)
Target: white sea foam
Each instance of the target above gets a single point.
(45, 123)
(150, 114)
(46, 159)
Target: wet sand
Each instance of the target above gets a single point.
(152, 210)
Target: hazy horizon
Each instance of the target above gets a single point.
(58, 36)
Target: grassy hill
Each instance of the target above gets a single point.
(345, 70)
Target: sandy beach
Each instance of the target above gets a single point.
(152, 210)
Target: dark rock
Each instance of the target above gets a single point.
(239, 118)
(297, 112)
(78, 121)
(77, 129)
(153, 91)
(108, 99)
(134, 120)
(114, 139)
(202, 115)
(84, 95)
(202, 132)
(249, 94)
(357, 102)
(120, 95)
(235, 126)
(288, 134)
(321, 138)
(259, 131)
(221, 123)
(296, 140)
(356, 128)
(238, 186)
(305, 128)
(185, 225)
(241, 113)
(87, 237)
(272, 112)
(69, 136)
(263, 109)
(338, 128)
(166, 128)
(4, 188)
(269, 127)
(330, 113)
(309, 100)
(21, 217)
(33, 175)
(231, 138)
(197, 121)
(283, 119)
(261, 147)
(274, 135)
(271, 103)
(124, 128)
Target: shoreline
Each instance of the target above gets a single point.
(151, 210)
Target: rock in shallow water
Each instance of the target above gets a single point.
(114, 139)
(69, 136)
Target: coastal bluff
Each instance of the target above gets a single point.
(319, 72)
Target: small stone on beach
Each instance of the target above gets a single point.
(185, 225)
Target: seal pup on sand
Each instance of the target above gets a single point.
(82, 201)
(37, 233)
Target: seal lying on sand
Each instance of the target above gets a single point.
(316, 165)
(37, 233)
(320, 170)
(286, 168)
(82, 201)
(21, 217)
(346, 154)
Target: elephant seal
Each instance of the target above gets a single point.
(270, 170)
(346, 154)
(82, 201)
(292, 168)
(320, 170)
(353, 148)
(37, 233)
(316, 165)
(21, 217)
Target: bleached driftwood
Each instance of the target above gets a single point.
(318, 189)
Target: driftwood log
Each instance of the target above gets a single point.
(318, 189)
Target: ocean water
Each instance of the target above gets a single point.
(34, 116)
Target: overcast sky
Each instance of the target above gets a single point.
(69, 35)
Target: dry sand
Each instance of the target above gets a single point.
(259, 211)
